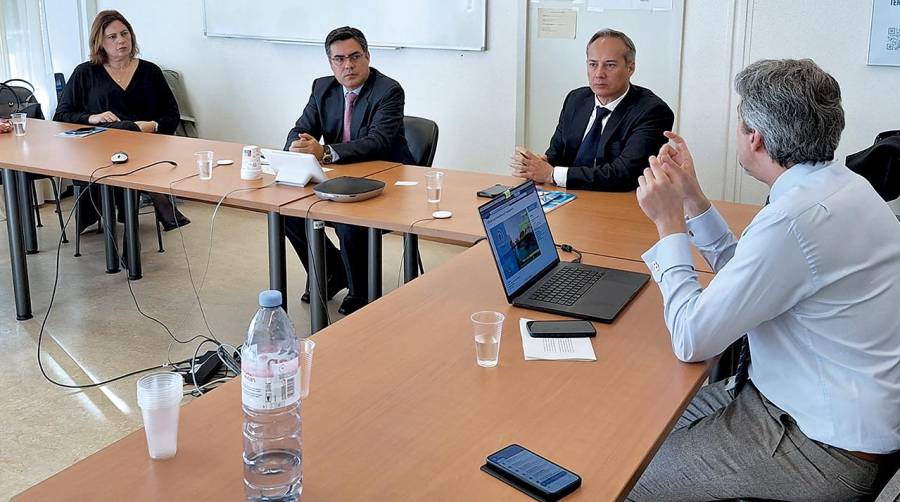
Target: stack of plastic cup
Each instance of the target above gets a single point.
(159, 396)
(307, 347)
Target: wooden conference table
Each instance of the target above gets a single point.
(408, 415)
(595, 222)
(42, 151)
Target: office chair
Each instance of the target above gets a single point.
(422, 138)
(880, 164)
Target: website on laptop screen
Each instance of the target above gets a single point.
(519, 236)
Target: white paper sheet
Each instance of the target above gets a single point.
(555, 349)
(557, 23)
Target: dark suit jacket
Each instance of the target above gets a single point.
(633, 132)
(376, 127)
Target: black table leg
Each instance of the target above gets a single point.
(315, 235)
(132, 235)
(17, 258)
(410, 257)
(277, 264)
(26, 213)
(374, 264)
(109, 227)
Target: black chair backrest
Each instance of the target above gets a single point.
(422, 138)
(880, 164)
(16, 98)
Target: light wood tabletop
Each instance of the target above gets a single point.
(402, 205)
(399, 410)
(43, 151)
(613, 224)
(267, 195)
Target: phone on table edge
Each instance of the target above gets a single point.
(573, 328)
(514, 464)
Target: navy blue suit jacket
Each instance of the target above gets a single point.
(633, 132)
(376, 126)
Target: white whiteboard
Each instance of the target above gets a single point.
(556, 66)
(430, 24)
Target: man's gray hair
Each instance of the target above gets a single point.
(630, 51)
(795, 106)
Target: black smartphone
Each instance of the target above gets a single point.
(84, 129)
(561, 329)
(491, 192)
(531, 473)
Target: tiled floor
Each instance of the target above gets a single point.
(95, 332)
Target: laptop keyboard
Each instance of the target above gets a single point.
(566, 286)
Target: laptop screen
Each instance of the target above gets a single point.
(519, 236)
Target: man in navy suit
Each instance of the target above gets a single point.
(359, 115)
(610, 153)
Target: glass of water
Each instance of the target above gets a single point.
(434, 182)
(204, 164)
(487, 326)
(18, 123)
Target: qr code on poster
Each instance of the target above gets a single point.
(893, 39)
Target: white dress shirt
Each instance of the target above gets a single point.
(561, 174)
(815, 281)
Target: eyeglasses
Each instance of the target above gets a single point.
(340, 60)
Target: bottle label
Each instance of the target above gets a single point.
(275, 386)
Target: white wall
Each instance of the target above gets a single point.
(723, 36)
(250, 91)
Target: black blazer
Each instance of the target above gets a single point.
(376, 127)
(633, 132)
(90, 90)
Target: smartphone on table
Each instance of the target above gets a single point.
(561, 329)
(531, 473)
(493, 191)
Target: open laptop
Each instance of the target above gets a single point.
(529, 266)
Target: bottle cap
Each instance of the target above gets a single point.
(270, 298)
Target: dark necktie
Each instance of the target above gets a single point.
(742, 373)
(587, 152)
(350, 98)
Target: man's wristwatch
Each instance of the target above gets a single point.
(327, 157)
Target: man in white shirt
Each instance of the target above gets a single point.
(606, 153)
(814, 281)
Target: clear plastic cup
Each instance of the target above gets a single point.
(159, 396)
(434, 184)
(204, 162)
(307, 347)
(18, 123)
(487, 326)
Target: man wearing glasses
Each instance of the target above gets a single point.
(358, 113)
(606, 130)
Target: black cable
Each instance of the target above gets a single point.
(569, 249)
(121, 259)
(322, 289)
(613, 257)
(56, 285)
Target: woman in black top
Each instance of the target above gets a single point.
(116, 89)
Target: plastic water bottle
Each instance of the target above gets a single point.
(270, 395)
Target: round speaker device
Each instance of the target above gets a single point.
(349, 189)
